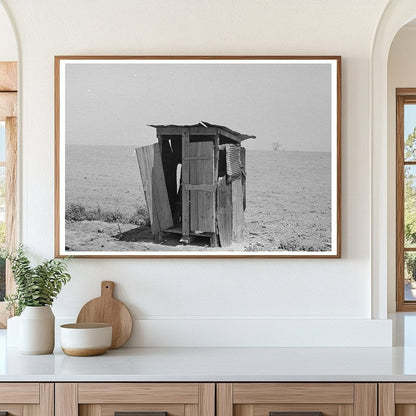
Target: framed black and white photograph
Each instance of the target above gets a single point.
(198, 156)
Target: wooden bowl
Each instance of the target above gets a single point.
(84, 340)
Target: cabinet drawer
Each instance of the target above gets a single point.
(297, 399)
(138, 393)
(21, 399)
(147, 399)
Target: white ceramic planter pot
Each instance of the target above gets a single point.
(37, 330)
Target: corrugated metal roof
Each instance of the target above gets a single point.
(205, 124)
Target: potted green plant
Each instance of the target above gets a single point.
(36, 289)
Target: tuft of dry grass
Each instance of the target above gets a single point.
(78, 212)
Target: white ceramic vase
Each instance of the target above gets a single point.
(37, 330)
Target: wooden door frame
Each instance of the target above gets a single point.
(8, 113)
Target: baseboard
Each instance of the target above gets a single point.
(188, 332)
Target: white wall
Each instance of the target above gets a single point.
(202, 302)
(401, 74)
(8, 47)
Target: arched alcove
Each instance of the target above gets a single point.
(401, 74)
(396, 15)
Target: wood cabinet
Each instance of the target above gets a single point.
(208, 399)
(297, 399)
(107, 399)
(397, 399)
(27, 399)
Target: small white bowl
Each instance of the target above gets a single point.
(83, 340)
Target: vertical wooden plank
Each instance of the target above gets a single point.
(208, 198)
(224, 214)
(215, 237)
(66, 399)
(47, 399)
(160, 192)
(154, 186)
(216, 154)
(194, 179)
(201, 178)
(243, 176)
(224, 399)
(8, 76)
(386, 399)
(400, 204)
(237, 210)
(185, 181)
(207, 399)
(11, 195)
(202, 203)
(339, 158)
(144, 157)
(31, 410)
(191, 410)
(57, 245)
(345, 410)
(365, 399)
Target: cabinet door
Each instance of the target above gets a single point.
(297, 399)
(26, 399)
(397, 399)
(142, 399)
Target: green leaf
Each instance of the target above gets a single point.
(35, 286)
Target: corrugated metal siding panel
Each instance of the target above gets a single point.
(232, 157)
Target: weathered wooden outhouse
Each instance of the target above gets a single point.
(194, 180)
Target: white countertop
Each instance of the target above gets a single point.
(215, 364)
(221, 364)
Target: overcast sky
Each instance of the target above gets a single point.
(112, 104)
(409, 119)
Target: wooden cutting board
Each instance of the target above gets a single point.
(107, 309)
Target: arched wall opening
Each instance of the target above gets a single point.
(401, 74)
(396, 15)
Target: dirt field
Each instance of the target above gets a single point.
(288, 202)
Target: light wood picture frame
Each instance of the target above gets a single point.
(198, 156)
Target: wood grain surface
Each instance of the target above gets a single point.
(107, 309)
(171, 393)
(386, 399)
(8, 105)
(252, 393)
(22, 393)
(8, 76)
(365, 399)
(66, 399)
(84, 352)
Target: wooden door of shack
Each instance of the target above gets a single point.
(194, 181)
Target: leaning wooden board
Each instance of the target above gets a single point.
(108, 310)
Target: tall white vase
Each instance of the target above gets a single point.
(37, 330)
